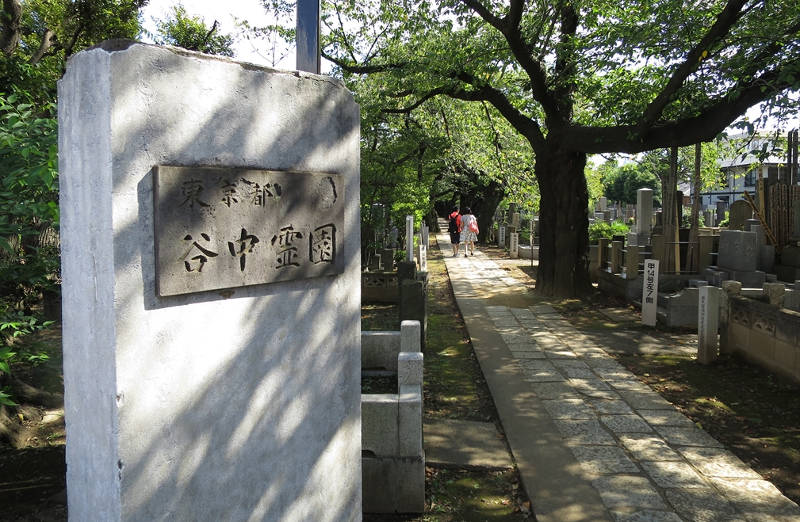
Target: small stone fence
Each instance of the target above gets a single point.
(392, 454)
(765, 333)
(380, 287)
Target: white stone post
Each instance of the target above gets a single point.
(410, 335)
(501, 236)
(708, 324)
(513, 248)
(650, 292)
(423, 253)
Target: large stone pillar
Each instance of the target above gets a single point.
(240, 399)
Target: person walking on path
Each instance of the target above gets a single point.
(469, 231)
(454, 228)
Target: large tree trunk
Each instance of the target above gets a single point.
(563, 223)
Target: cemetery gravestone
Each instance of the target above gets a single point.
(721, 208)
(233, 364)
(409, 239)
(739, 213)
(644, 213)
(738, 250)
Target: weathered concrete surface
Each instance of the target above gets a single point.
(464, 443)
(234, 405)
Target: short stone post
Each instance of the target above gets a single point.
(513, 249)
(410, 334)
(774, 292)
(707, 324)
(501, 236)
(729, 289)
(422, 253)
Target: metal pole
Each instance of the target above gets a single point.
(308, 36)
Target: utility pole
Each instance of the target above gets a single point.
(307, 39)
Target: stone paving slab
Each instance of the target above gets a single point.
(464, 443)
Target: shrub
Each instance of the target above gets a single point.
(607, 230)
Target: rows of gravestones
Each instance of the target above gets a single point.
(736, 263)
(739, 255)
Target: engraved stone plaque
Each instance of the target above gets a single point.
(228, 227)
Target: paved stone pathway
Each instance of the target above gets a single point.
(593, 442)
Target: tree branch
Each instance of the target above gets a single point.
(48, 39)
(10, 28)
(721, 27)
(360, 69)
(510, 29)
(705, 126)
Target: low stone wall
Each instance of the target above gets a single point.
(392, 455)
(764, 334)
(379, 349)
(380, 287)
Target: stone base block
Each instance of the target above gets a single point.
(393, 484)
(713, 276)
(749, 278)
(787, 273)
(754, 279)
(790, 256)
(766, 258)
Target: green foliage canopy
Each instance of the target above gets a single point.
(622, 181)
(190, 32)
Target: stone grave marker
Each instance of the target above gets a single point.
(410, 239)
(211, 274)
(738, 250)
(722, 206)
(501, 236)
(644, 211)
(513, 249)
(739, 213)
